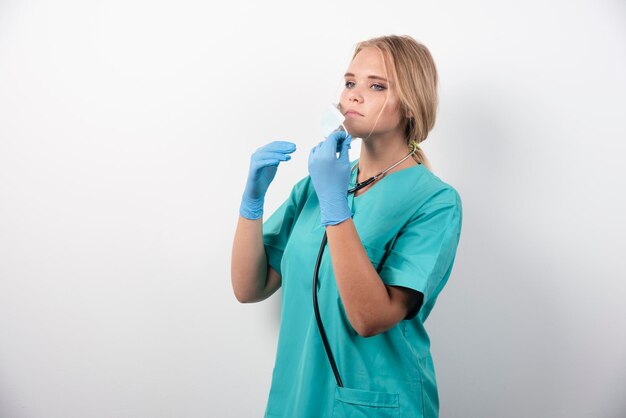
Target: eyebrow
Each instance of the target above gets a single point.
(375, 77)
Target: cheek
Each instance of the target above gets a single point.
(395, 114)
(392, 111)
(389, 110)
(389, 119)
(343, 98)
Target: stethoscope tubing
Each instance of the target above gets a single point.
(318, 318)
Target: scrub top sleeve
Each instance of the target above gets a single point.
(277, 228)
(422, 255)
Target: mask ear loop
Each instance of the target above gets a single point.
(380, 112)
(413, 145)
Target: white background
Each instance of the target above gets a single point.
(126, 129)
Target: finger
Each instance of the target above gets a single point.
(338, 135)
(318, 146)
(280, 146)
(274, 155)
(336, 139)
(344, 152)
(330, 150)
(267, 163)
(345, 142)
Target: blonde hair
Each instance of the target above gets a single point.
(416, 77)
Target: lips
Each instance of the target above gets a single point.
(352, 112)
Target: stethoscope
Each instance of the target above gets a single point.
(359, 186)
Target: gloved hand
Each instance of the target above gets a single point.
(331, 176)
(263, 165)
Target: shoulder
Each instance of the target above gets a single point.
(438, 211)
(433, 191)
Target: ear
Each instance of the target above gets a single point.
(409, 114)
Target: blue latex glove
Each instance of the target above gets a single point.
(263, 166)
(331, 176)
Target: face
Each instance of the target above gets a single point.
(369, 99)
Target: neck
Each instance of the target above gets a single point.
(379, 153)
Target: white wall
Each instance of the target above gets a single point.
(126, 129)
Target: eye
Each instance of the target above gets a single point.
(376, 86)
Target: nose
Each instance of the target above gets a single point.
(354, 96)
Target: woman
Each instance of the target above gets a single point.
(391, 247)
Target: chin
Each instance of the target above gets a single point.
(356, 132)
(359, 133)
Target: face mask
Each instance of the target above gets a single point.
(332, 119)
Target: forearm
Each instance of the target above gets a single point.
(364, 295)
(248, 261)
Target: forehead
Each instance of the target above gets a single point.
(369, 61)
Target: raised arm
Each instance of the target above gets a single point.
(253, 280)
(251, 277)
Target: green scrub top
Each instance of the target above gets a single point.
(409, 222)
